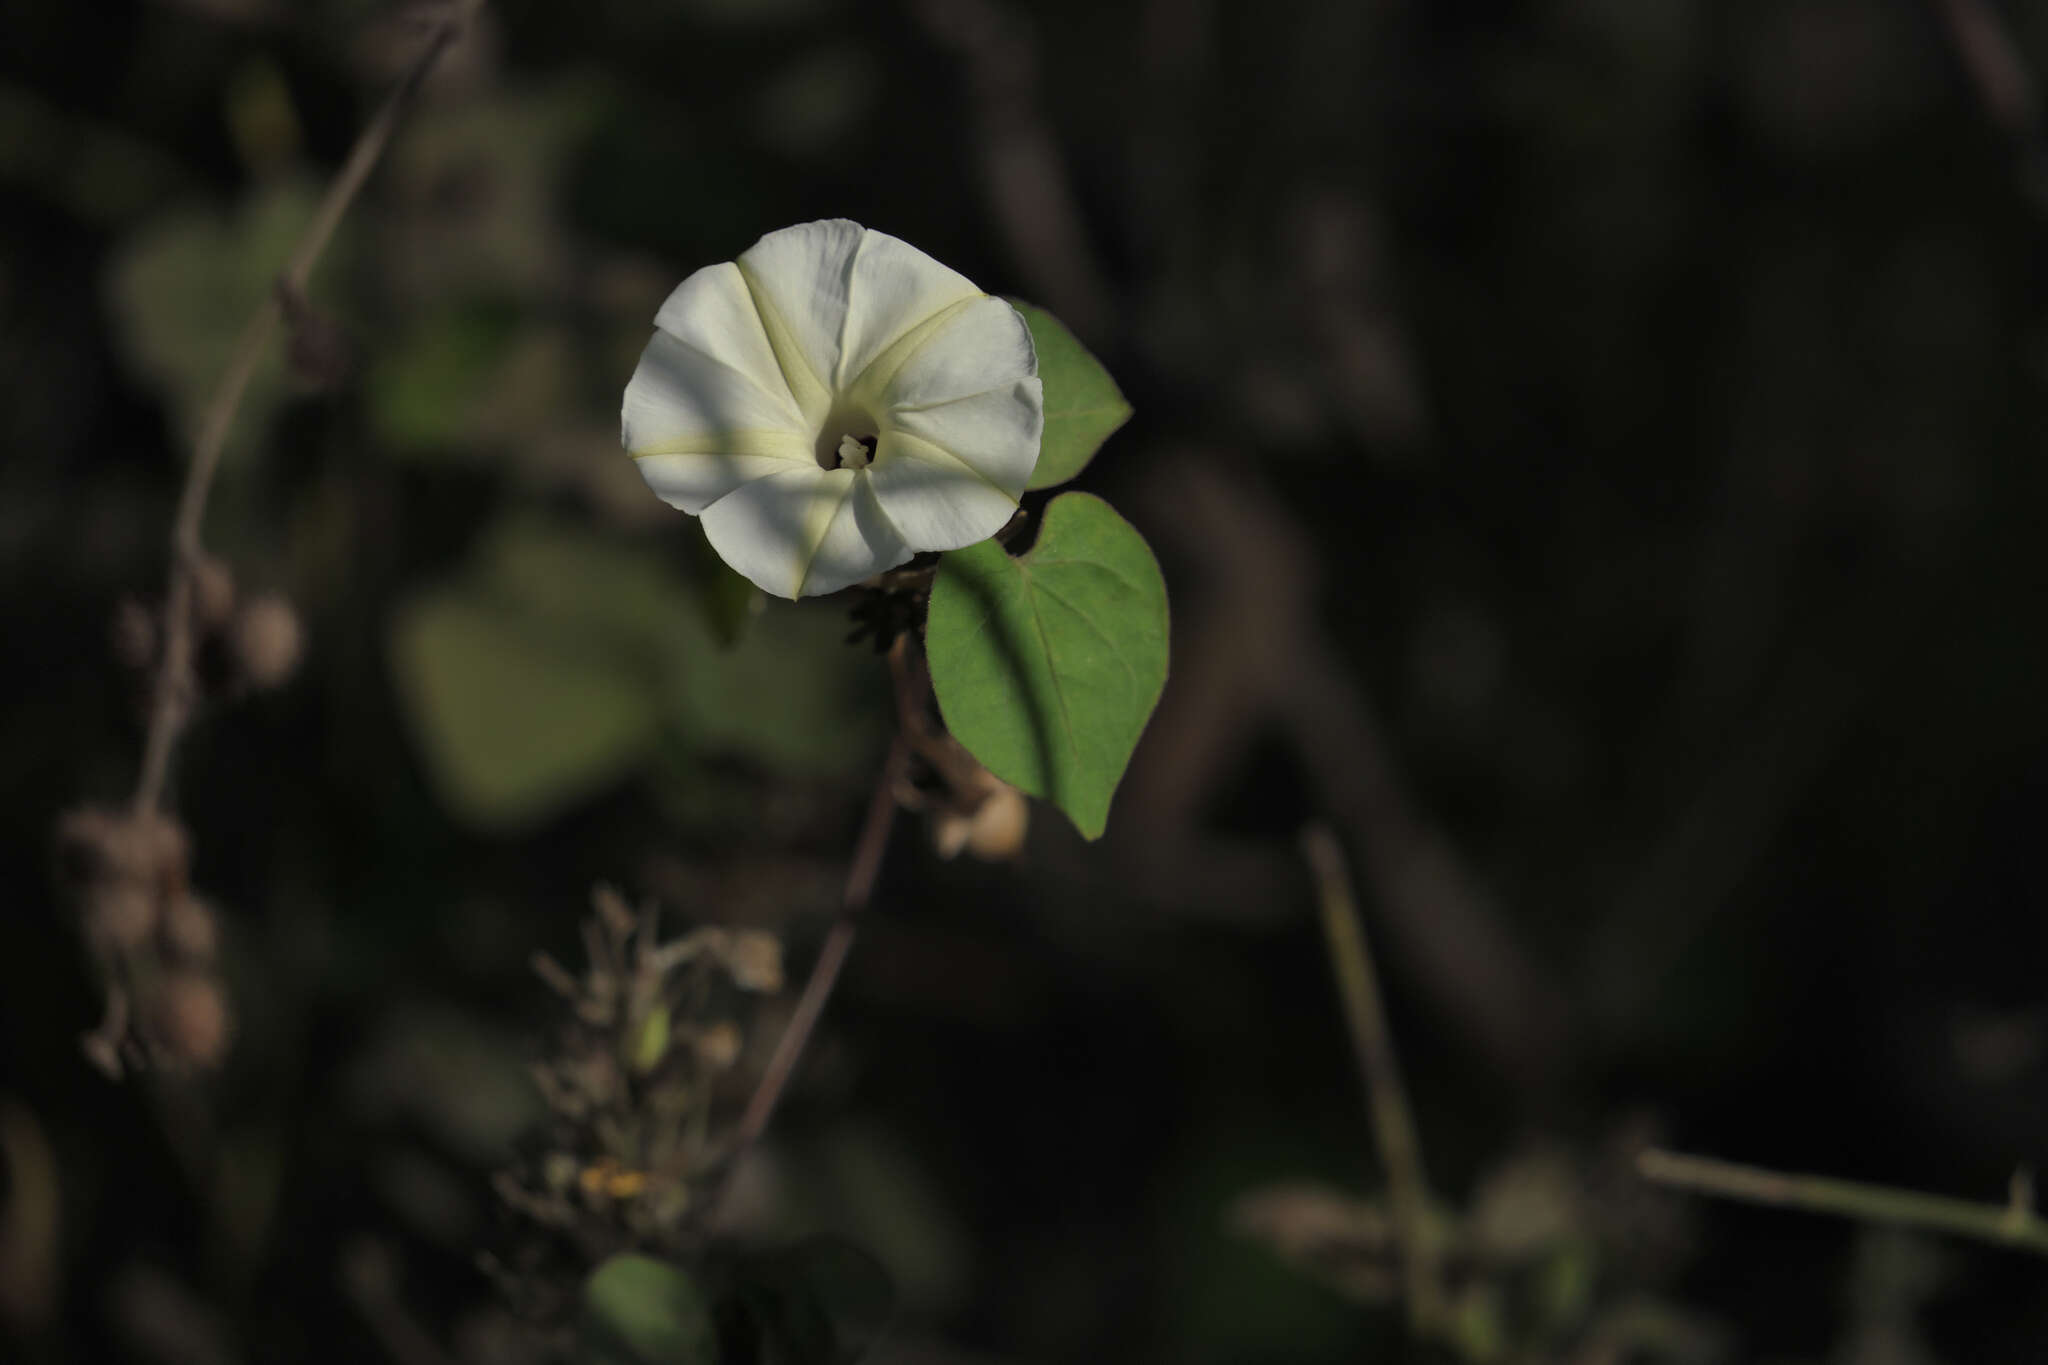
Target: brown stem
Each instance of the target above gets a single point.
(2013, 1223)
(170, 702)
(1997, 69)
(861, 872)
(1393, 1122)
(1992, 61)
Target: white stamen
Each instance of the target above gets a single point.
(853, 453)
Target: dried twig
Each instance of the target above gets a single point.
(2012, 101)
(1393, 1122)
(2014, 1223)
(861, 872)
(170, 702)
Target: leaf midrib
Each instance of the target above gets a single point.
(1051, 668)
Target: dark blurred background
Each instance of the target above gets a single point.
(1594, 450)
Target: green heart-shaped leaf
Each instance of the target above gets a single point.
(1047, 667)
(514, 724)
(640, 1311)
(558, 662)
(1082, 403)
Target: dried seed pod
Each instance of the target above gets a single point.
(98, 845)
(86, 836)
(165, 851)
(190, 931)
(267, 640)
(119, 915)
(189, 1020)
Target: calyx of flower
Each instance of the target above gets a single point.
(833, 402)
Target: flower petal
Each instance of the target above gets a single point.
(800, 278)
(713, 313)
(804, 532)
(692, 481)
(892, 288)
(996, 433)
(983, 345)
(935, 499)
(679, 394)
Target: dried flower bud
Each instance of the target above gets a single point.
(718, 1047)
(268, 640)
(612, 911)
(558, 1171)
(191, 931)
(85, 839)
(949, 831)
(189, 1019)
(132, 634)
(755, 960)
(995, 832)
(213, 592)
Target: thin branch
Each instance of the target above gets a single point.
(1393, 1122)
(861, 872)
(1992, 61)
(2012, 1224)
(170, 703)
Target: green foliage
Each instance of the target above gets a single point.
(514, 725)
(562, 661)
(477, 185)
(1083, 405)
(640, 1311)
(429, 390)
(1047, 667)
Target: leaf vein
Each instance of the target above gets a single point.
(1052, 671)
(1099, 633)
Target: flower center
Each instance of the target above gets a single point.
(847, 438)
(856, 452)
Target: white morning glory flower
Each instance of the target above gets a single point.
(833, 402)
